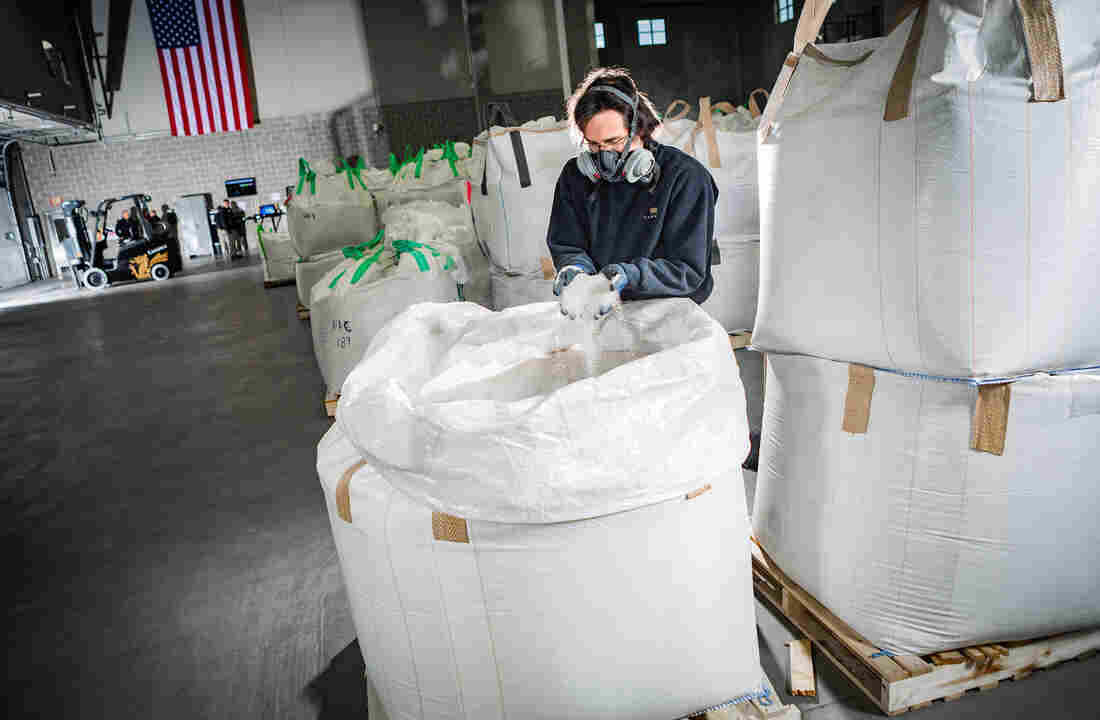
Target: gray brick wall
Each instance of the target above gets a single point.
(167, 167)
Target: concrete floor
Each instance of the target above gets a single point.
(165, 536)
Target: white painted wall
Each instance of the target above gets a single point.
(308, 56)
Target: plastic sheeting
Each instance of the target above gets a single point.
(493, 416)
(513, 220)
(307, 273)
(918, 542)
(961, 239)
(732, 302)
(579, 620)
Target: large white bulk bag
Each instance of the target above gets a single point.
(544, 621)
(918, 542)
(279, 255)
(512, 207)
(732, 302)
(960, 235)
(331, 211)
(522, 534)
(443, 225)
(364, 292)
(453, 192)
(512, 290)
(309, 271)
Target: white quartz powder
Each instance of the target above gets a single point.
(581, 300)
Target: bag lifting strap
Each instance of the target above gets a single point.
(497, 110)
(809, 25)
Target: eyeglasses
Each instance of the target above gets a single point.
(612, 144)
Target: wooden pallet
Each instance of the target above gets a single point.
(303, 312)
(268, 284)
(899, 683)
(330, 402)
(766, 707)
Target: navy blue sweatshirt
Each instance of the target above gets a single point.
(661, 234)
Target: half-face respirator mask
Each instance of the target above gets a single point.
(619, 165)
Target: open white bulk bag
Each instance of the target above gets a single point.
(646, 614)
(309, 271)
(279, 256)
(443, 225)
(918, 542)
(917, 193)
(484, 416)
(365, 291)
(516, 535)
(512, 206)
(512, 290)
(330, 211)
(732, 302)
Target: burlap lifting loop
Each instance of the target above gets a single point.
(343, 492)
(901, 87)
(707, 123)
(754, 107)
(990, 419)
(669, 116)
(449, 528)
(547, 265)
(809, 25)
(1043, 50)
(857, 401)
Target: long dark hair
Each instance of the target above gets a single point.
(584, 103)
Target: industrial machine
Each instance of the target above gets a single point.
(154, 253)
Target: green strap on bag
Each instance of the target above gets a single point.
(359, 252)
(305, 173)
(260, 239)
(417, 251)
(353, 171)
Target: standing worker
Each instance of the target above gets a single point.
(171, 221)
(230, 220)
(639, 212)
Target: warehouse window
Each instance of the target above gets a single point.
(784, 10)
(652, 32)
(601, 41)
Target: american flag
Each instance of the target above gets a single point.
(204, 66)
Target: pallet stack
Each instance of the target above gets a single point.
(928, 275)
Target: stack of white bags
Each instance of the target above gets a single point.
(516, 536)
(427, 253)
(328, 212)
(930, 224)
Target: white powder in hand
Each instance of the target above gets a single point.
(581, 300)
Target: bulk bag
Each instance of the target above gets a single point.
(936, 189)
(726, 144)
(309, 271)
(515, 533)
(330, 211)
(279, 256)
(374, 282)
(512, 290)
(732, 302)
(512, 207)
(917, 541)
(443, 225)
(461, 618)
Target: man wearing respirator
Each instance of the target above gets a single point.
(639, 212)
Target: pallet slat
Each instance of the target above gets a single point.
(899, 683)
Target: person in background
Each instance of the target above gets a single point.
(230, 220)
(171, 221)
(639, 212)
(124, 228)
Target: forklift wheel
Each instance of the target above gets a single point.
(96, 279)
(160, 271)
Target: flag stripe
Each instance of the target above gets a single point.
(197, 92)
(177, 93)
(209, 75)
(238, 9)
(223, 64)
(231, 45)
(185, 92)
(167, 91)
